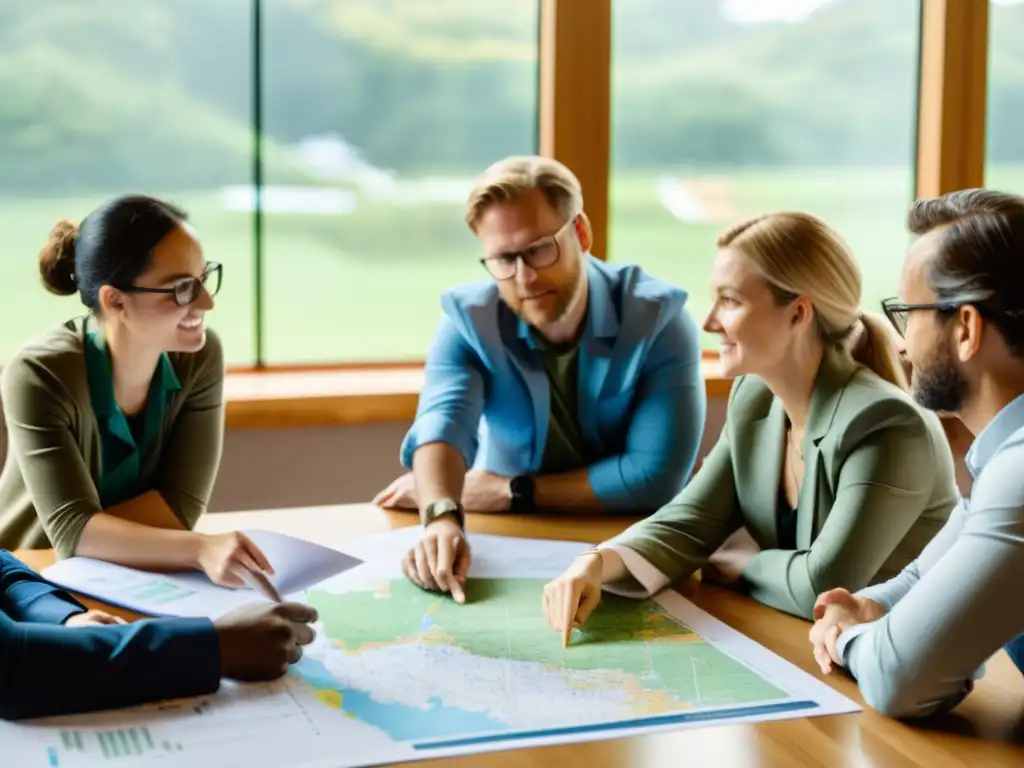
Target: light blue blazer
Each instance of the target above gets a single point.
(641, 395)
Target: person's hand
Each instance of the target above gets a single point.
(486, 492)
(222, 556)
(726, 565)
(93, 619)
(569, 600)
(259, 641)
(401, 494)
(481, 492)
(440, 560)
(836, 611)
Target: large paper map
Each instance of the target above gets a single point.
(424, 669)
(399, 674)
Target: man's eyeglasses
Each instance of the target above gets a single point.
(539, 255)
(899, 313)
(187, 289)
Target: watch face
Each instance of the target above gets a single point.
(441, 507)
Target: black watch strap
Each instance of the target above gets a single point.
(521, 487)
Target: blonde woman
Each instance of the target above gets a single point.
(826, 473)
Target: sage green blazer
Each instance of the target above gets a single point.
(878, 484)
(50, 480)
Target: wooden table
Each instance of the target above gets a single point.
(986, 730)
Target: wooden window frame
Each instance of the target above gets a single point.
(574, 127)
(952, 93)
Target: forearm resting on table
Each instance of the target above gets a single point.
(566, 492)
(140, 533)
(440, 472)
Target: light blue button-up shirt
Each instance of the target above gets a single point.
(959, 602)
(641, 397)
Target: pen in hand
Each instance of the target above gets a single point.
(260, 583)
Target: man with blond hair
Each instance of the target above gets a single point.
(562, 384)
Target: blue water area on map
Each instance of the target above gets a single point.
(399, 721)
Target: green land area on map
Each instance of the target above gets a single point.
(502, 619)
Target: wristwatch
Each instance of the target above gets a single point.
(439, 507)
(521, 487)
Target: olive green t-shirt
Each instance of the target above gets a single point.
(564, 450)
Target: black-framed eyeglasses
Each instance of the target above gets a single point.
(539, 255)
(899, 312)
(187, 289)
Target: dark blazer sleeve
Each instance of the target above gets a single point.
(55, 670)
(26, 596)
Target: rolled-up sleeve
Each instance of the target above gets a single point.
(666, 427)
(452, 399)
(642, 580)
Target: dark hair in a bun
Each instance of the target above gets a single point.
(112, 246)
(57, 259)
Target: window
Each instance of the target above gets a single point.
(722, 110)
(107, 97)
(378, 115)
(1004, 147)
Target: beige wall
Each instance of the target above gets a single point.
(332, 465)
(276, 468)
(299, 467)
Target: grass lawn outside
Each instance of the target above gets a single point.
(364, 287)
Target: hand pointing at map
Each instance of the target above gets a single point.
(571, 598)
(440, 559)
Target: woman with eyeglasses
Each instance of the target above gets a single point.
(115, 419)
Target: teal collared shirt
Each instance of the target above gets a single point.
(121, 452)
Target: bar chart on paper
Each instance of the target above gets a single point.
(225, 729)
(109, 745)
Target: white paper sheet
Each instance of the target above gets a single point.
(491, 555)
(396, 674)
(298, 564)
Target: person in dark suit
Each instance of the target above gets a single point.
(58, 658)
